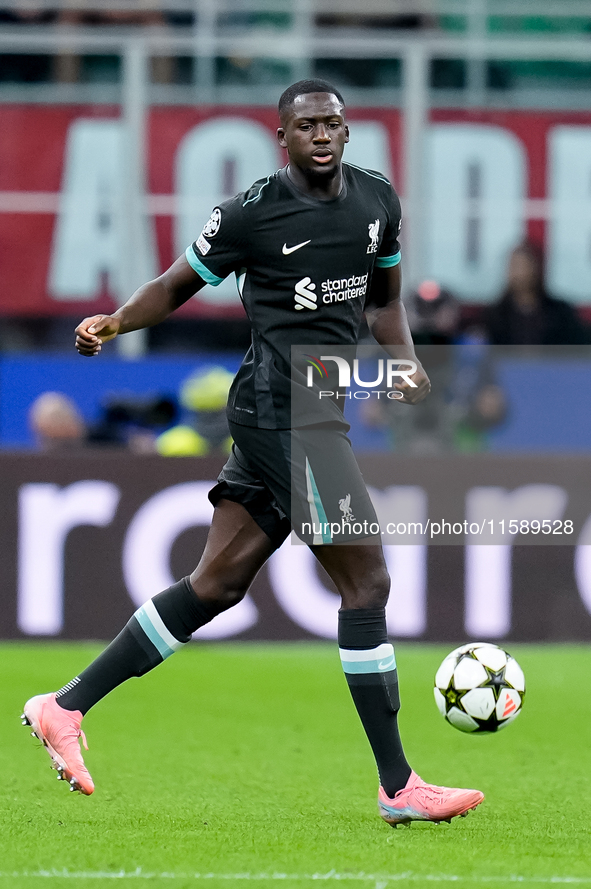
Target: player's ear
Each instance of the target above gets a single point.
(281, 137)
(346, 133)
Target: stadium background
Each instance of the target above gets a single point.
(122, 124)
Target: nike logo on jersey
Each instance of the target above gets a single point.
(287, 250)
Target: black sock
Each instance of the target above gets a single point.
(370, 668)
(156, 630)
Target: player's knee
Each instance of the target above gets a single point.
(230, 595)
(218, 593)
(376, 597)
(372, 593)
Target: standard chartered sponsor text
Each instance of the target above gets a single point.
(340, 289)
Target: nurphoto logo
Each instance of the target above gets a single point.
(388, 372)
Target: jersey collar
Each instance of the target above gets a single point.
(307, 199)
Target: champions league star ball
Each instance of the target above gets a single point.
(479, 688)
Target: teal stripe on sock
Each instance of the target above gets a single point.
(154, 637)
(372, 660)
(384, 666)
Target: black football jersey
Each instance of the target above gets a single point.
(303, 269)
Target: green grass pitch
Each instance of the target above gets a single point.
(245, 764)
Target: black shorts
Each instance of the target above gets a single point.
(306, 479)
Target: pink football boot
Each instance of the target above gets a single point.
(59, 730)
(419, 801)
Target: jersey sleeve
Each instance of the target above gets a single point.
(389, 253)
(222, 246)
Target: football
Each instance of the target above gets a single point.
(479, 687)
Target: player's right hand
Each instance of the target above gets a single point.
(93, 332)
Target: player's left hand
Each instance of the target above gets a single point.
(410, 394)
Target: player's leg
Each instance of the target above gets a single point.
(325, 470)
(312, 473)
(313, 478)
(359, 573)
(236, 549)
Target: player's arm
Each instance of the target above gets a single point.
(150, 304)
(388, 324)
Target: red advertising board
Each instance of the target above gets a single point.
(60, 193)
(532, 129)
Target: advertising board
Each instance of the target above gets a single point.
(85, 540)
(491, 177)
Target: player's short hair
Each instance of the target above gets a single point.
(301, 88)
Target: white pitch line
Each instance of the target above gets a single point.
(380, 881)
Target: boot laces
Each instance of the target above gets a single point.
(68, 734)
(431, 792)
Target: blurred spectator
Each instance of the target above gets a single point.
(132, 421)
(56, 422)
(365, 73)
(526, 314)
(70, 68)
(368, 17)
(240, 71)
(476, 401)
(127, 422)
(433, 314)
(29, 67)
(203, 396)
(465, 400)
